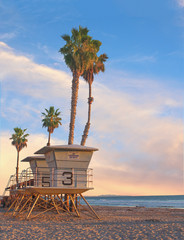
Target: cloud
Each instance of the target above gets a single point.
(7, 36)
(3, 45)
(28, 77)
(181, 3)
(38, 84)
(137, 126)
(138, 150)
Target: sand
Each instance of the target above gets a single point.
(116, 223)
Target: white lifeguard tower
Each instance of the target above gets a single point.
(68, 165)
(57, 178)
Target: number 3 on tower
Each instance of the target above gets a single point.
(68, 178)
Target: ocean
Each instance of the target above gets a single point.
(172, 201)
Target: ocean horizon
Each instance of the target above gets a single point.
(160, 201)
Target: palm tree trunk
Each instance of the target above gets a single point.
(87, 126)
(75, 89)
(17, 168)
(48, 144)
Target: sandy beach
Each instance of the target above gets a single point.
(116, 223)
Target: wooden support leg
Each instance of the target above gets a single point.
(71, 197)
(29, 206)
(18, 199)
(72, 209)
(76, 202)
(18, 205)
(67, 200)
(33, 206)
(49, 209)
(89, 206)
(61, 197)
(79, 203)
(55, 205)
(24, 205)
(64, 205)
(11, 206)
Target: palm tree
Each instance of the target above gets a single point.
(78, 51)
(19, 141)
(51, 120)
(96, 66)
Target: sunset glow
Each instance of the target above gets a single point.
(136, 123)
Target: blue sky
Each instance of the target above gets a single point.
(137, 114)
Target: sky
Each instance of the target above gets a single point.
(137, 113)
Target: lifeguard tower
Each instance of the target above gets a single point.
(55, 180)
(68, 165)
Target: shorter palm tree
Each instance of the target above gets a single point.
(95, 67)
(19, 141)
(51, 120)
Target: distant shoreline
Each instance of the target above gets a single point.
(174, 201)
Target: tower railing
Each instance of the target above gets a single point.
(53, 178)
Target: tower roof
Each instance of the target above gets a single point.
(28, 159)
(72, 147)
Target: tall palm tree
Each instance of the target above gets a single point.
(95, 67)
(51, 120)
(19, 141)
(78, 51)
